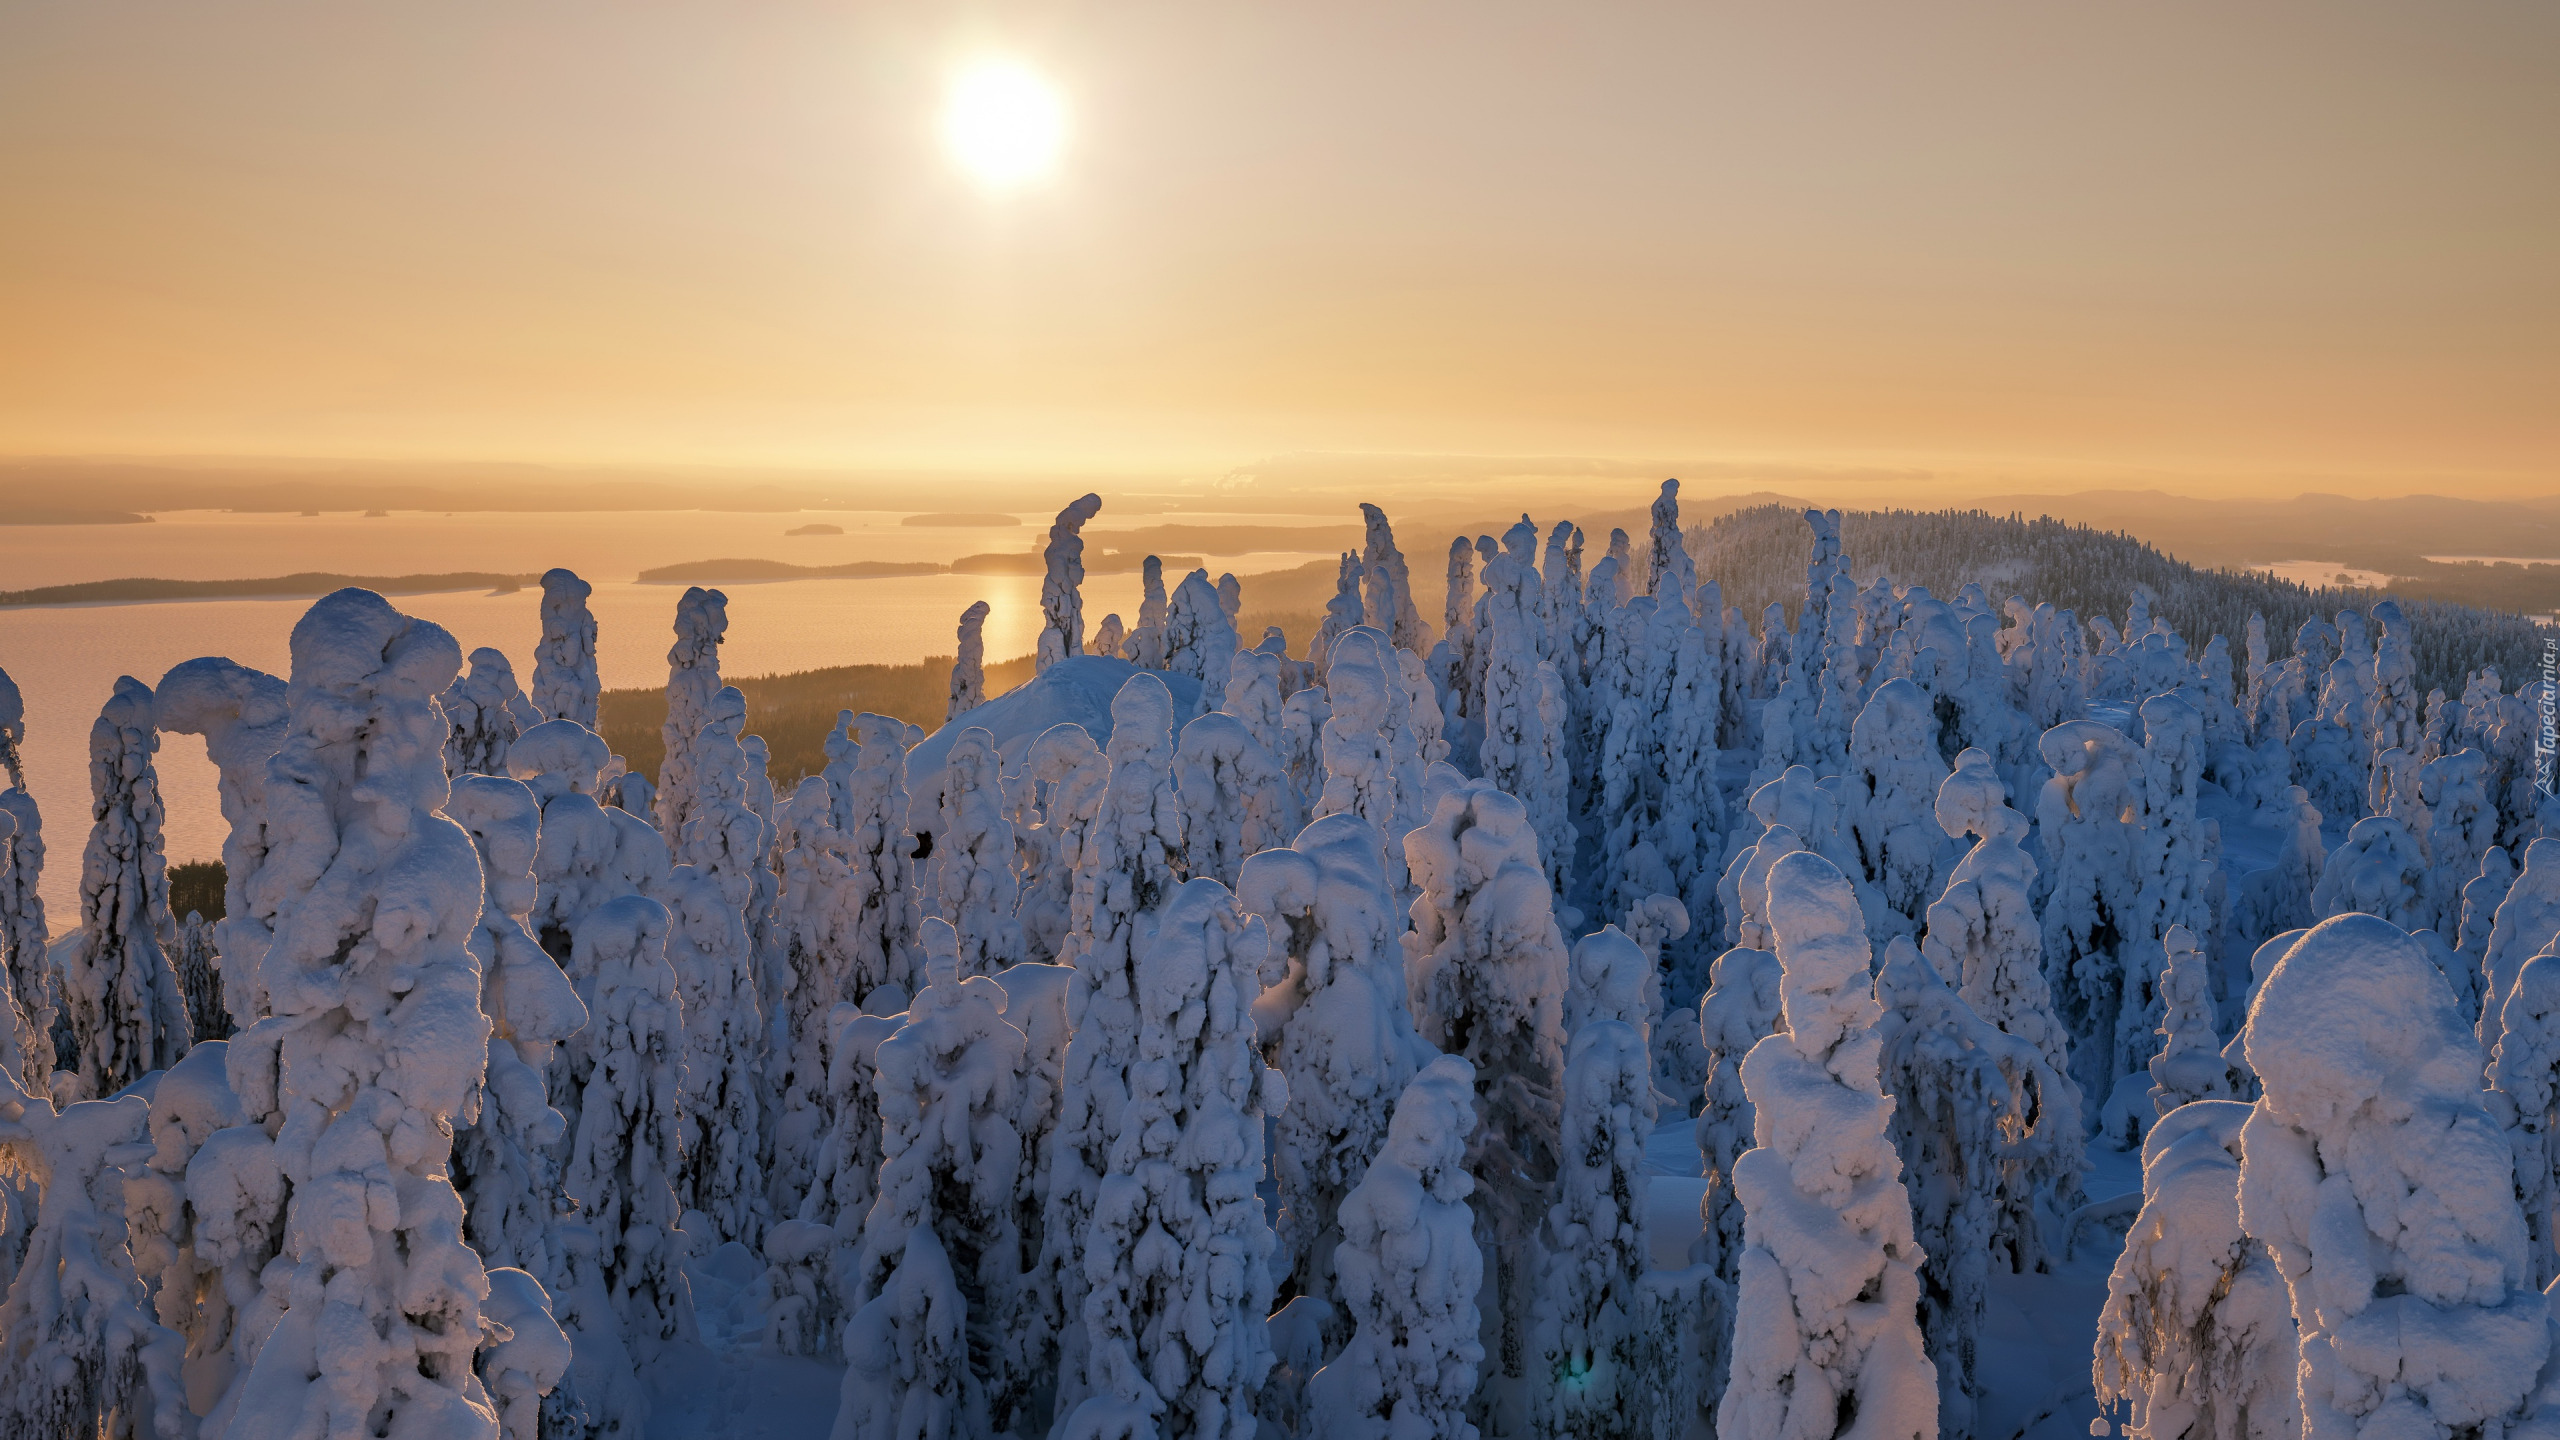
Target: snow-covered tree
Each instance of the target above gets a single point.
(1522, 749)
(86, 1356)
(1342, 614)
(972, 882)
(1199, 641)
(1254, 696)
(1236, 798)
(2197, 1336)
(1485, 970)
(1108, 637)
(1967, 1122)
(1148, 644)
(1177, 1262)
(2524, 1073)
(564, 664)
(503, 1163)
(1601, 1371)
(2189, 1066)
(1740, 1007)
(375, 1045)
(199, 969)
(806, 1279)
(527, 1365)
(2380, 870)
(121, 1004)
(190, 1103)
(1386, 586)
(933, 1278)
(22, 940)
(2087, 824)
(484, 712)
(969, 667)
(240, 712)
(693, 687)
(1056, 799)
(2373, 1171)
(1893, 777)
(722, 1035)
(626, 1154)
(1408, 1272)
(1826, 1333)
(1342, 1036)
(1364, 775)
(868, 784)
(1984, 939)
(1128, 869)
(1062, 586)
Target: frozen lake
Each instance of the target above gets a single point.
(65, 659)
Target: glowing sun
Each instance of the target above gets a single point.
(1003, 123)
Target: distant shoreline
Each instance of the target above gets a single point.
(307, 585)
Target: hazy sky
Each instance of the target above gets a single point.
(2296, 243)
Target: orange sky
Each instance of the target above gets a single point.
(2298, 245)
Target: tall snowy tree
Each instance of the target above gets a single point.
(1178, 1258)
(1342, 1036)
(503, 1163)
(1199, 641)
(374, 1047)
(693, 688)
(969, 666)
(1485, 969)
(1127, 871)
(1409, 1269)
(934, 1275)
(972, 882)
(2524, 1076)
(2373, 1171)
(484, 712)
(1062, 586)
(2197, 1336)
(564, 664)
(86, 1356)
(2189, 1066)
(1386, 586)
(868, 785)
(722, 1049)
(1826, 1336)
(1236, 797)
(121, 1004)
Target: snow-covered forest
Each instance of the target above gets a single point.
(1231, 1036)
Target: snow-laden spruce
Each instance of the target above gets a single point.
(969, 666)
(1177, 1263)
(2197, 1336)
(1408, 1271)
(2372, 1169)
(22, 940)
(1971, 1126)
(121, 1004)
(484, 712)
(1199, 640)
(706, 947)
(1826, 1331)
(1984, 939)
(1387, 586)
(2189, 1066)
(971, 881)
(1146, 645)
(564, 663)
(1602, 1369)
(240, 712)
(373, 1050)
(693, 682)
(1364, 775)
(1236, 797)
(2524, 1078)
(1485, 971)
(190, 1103)
(504, 1163)
(1062, 586)
(1128, 869)
(926, 1358)
(2528, 921)
(867, 782)
(86, 1357)
(1345, 1040)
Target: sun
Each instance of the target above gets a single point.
(1003, 123)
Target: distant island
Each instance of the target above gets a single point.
(67, 515)
(743, 571)
(820, 528)
(279, 587)
(962, 520)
